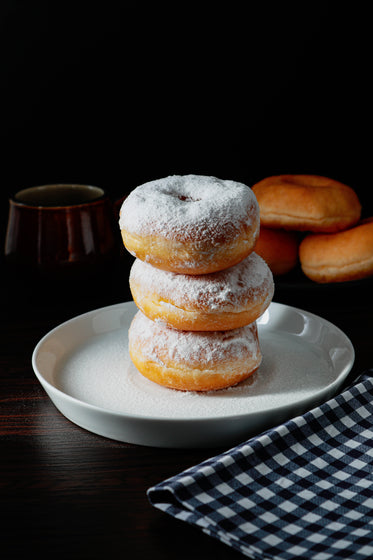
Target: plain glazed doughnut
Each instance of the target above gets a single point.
(222, 300)
(193, 361)
(279, 249)
(339, 257)
(190, 224)
(306, 203)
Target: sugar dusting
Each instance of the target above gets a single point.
(101, 373)
(226, 290)
(189, 207)
(159, 342)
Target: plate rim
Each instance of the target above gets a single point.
(341, 377)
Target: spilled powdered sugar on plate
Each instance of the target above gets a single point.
(100, 373)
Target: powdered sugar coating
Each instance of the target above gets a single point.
(190, 207)
(163, 344)
(229, 290)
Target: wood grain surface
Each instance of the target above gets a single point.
(68, 493)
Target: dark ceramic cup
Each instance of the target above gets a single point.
(62, 234)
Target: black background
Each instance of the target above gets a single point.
(115, 95)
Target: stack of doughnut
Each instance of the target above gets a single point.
(316, 221)
(198, 284)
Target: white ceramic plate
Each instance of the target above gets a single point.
(84, 367)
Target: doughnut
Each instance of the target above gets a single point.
(339, 257)
(193, 361)
(306, 203)
(279, 249)
(223, 300)
(190, 224)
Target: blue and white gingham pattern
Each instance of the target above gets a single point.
(301, 490)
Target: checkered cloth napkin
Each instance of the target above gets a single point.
(301, 490)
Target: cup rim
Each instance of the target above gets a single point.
(101, 194)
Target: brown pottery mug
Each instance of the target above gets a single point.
(61, 233)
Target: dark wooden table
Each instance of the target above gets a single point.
(67, 493)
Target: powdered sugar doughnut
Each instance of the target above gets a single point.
(190, 224)
(223, 300)
(193, 361)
